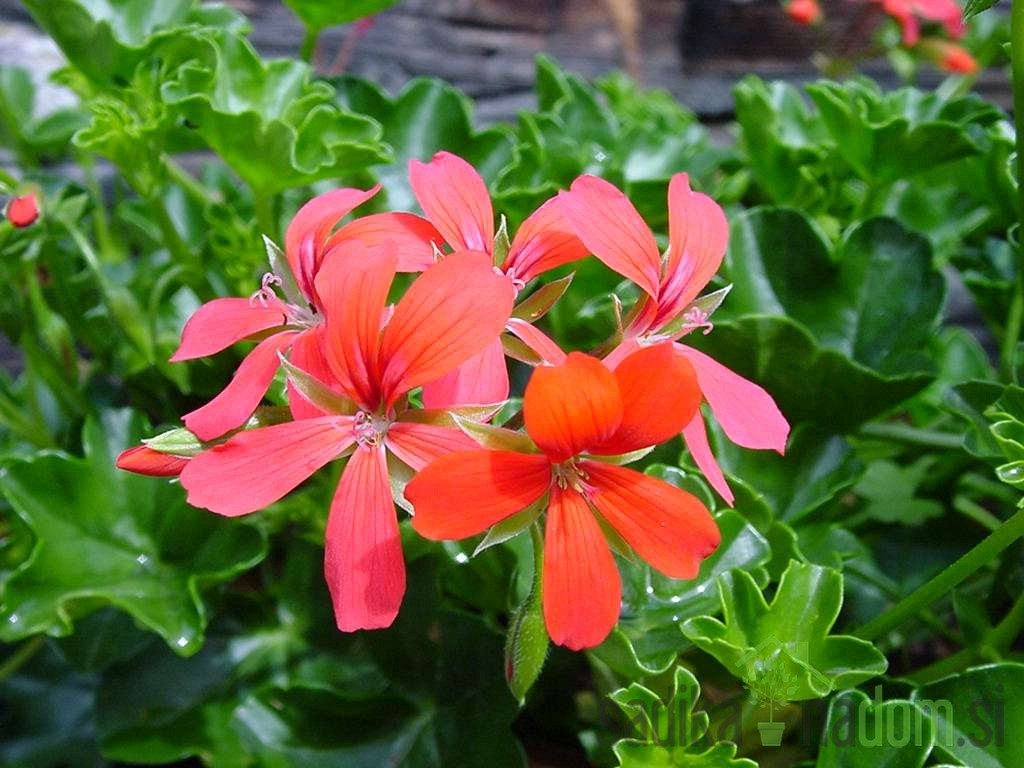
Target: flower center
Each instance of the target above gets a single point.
(569, 475)
(370, 429)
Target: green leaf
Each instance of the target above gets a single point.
(425, 117)
(295, 132)
(877, 299)
(788, 638)
(890, 490)
(860, 733)
(317, 15)
(647, 638)
(47, 715)
(107, 39)
(831, 391)
(978, 715)
(107, 537)
(974, 7)
(817, 468)
(670, 729)
(890, 136)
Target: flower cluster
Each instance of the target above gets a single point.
(910, 14)
(405, 391)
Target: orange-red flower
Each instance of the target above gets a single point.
(804, 11)
(23, 211)
(577, 412)
(375, 356)
(612, 228)
(455, 199)
(950, 56)
(143, 460)
(295, 323)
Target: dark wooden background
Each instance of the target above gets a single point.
(695, 48)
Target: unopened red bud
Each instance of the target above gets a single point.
(145, 461)
(23, 211)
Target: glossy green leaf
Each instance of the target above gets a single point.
(978, 715)
(295, 132)
(47, 715)
(317, 15)
(816, 468)
(647, 639)
(876, 299)
(425, 117)
(106, 39)
(671, 731)
(890, 136)
(788, 638)
(974, 7)
(861, 733)
(890, 490)
(808, 381)
(104, 536)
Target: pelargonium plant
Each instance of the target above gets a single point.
(405, 391)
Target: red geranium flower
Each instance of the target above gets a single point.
(576, 412)
(297, 322)
(451, 312)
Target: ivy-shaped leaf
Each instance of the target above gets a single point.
(788, 638)
(890, 492)
(294, 131)
(861, 733)
(107, 537)
(106, 39)
(425, 117)
(672, 733)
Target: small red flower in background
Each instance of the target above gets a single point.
(804, 11)
(297, 322)
(375, 356)
(909, 12)
(455, 199)
(23, 211)
(950, 56)
(576, 412)
(607, 222)
(143, 460)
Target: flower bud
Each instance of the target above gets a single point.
(23, 211)
(804, 11)
(143, 460)
(949, 57)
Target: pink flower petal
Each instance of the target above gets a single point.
(450, 313)
(611, 228)
(698, 236)
(309, 229)
(544, 241)
(581, 586)
(220, 323)
(363, 562)
(696, 437)
(480, 380)
(353, 286)
(412, 237)
(419, 444)
(239, 398)
(259, 466)
(456, 201)
(537, 340)
(748, 414)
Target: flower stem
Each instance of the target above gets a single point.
(308, 49)
(1015, 315)
(987, 549)
(904, 433)
(24, 652)
(976, 512)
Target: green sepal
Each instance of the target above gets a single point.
(316, 392)
(539, 303)
(526, 647)
(177, 442)
(496, 438)
(512, 526)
